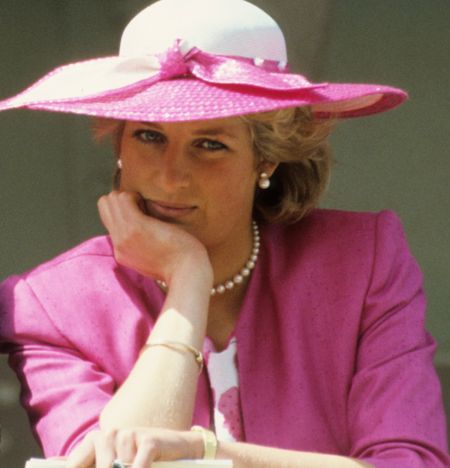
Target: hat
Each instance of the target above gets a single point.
(183, 60)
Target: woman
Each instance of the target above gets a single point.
(222, 298)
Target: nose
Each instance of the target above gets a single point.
(174, 170)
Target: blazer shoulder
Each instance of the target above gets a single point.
(89, 252)
(349, 220)
(340, 243)
(338, 227)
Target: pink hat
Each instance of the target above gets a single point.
(185, 60)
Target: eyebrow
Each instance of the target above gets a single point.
(210, 131)
(215, 131)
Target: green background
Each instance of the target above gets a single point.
(51, 173)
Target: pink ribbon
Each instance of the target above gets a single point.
(93, 79)
(226, 70)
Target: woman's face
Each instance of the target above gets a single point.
(199, 175)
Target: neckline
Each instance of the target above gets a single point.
(249, 292)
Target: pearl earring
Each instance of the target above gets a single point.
(264, 181)
(119, 164)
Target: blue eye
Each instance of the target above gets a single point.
(212, 145)
(148, 136)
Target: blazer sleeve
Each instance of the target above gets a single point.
(395, 410)
(62, 392)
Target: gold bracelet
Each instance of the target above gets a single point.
(209, 442)
(198, 356)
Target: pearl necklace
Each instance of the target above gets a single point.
(243, 272)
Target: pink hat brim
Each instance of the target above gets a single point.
(184, 99)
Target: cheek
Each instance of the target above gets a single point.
(136, 170)
(128, 174)
(234, 191)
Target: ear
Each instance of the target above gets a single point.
(267, 167)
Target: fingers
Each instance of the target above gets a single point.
(128, 446)
(135, 447)
(83, 456)
(124, 216)
(102, 448)
(105, 449)
(138, 447)
(125, 445)
(147, 452)
(128, 227)
(150, 246)
(119, 207)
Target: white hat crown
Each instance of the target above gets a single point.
(224, 27)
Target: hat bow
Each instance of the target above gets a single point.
(107, 76)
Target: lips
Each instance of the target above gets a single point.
(169, 210)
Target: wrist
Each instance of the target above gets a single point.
(209, 440)
(193, 273)
(196, 446)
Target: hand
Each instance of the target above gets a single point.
(139, 446)
(152, 247)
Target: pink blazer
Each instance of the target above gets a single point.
(332, 352)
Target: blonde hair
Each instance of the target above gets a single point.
(298, 143)
(291, 138)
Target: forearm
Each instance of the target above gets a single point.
(160, 390)
(245, 455)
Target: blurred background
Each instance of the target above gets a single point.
(51, 172)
